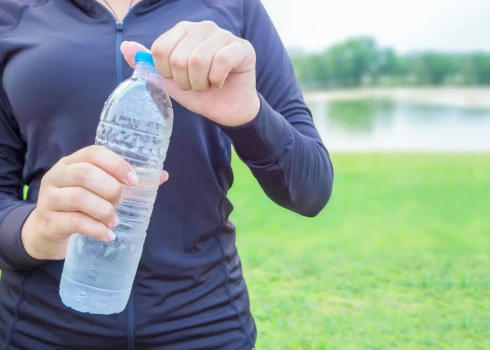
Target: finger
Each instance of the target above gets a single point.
(92, 178)
(179, 58)
(201, 58)
(106, 160)
(129, 50)
(163, 47)
(236, 57)
(181, 97)
(164, 177)
(74, 222)
(78, 199)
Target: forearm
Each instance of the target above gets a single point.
(13, 214)
(289, 160)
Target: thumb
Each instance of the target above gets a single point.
(129, 50)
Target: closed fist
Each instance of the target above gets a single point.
(207, 70)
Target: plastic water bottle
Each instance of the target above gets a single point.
(136, 123)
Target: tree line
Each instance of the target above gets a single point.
(361, 62)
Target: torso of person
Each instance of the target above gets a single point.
(60, 62)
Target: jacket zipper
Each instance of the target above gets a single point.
(119, 68)
(131, 322)
(119, 80)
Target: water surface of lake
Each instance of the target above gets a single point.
(383, 124)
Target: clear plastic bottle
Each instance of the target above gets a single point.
(136, 123)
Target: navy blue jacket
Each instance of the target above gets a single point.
(59, 61)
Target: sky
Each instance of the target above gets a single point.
(407, 26)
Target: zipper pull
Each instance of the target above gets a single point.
(120, 26)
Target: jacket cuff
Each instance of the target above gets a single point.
(262, 140)
(13, 249)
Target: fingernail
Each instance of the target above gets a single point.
(110, 235)
(133, 178)
(115, 221)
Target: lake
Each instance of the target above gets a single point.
(456, 122)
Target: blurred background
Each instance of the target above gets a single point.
(400, 258)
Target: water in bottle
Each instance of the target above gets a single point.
(136, 123)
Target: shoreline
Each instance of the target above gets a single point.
(475, 97)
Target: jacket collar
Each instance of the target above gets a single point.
(93, 9)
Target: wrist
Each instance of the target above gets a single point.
(28, 236)
(247, 114)
(261, 141)
(252, 113)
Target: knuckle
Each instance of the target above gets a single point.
(183, 24)
(196, 60)
(49, 195)
(222, 59)
(113, 187)
(81, 174)
(44, 200)
(177, 62)
(93, 153)
(210, 25)
(245, 42)
(226, 35)
(107, 212)
(62, 161)
(249, 48)
(46, 221)
(95, 149)
(76, 197)
(45, 180)
(109, 157)
(159, 49)
(118, 189)
(75, 222)
(214, 80)
(103, 153)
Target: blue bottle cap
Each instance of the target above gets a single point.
(144, 57)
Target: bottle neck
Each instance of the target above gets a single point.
(148, 72)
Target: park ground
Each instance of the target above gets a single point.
(399, 259)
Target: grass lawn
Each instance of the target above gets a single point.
(400, 258)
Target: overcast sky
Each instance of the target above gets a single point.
(444, 25)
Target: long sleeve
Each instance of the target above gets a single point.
(281, 145)
(13, 210)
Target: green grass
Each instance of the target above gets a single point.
(399, 259)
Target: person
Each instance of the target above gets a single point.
(232, 85)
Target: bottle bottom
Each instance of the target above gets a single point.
(88, 299)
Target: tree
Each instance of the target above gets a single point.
(359, 59)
